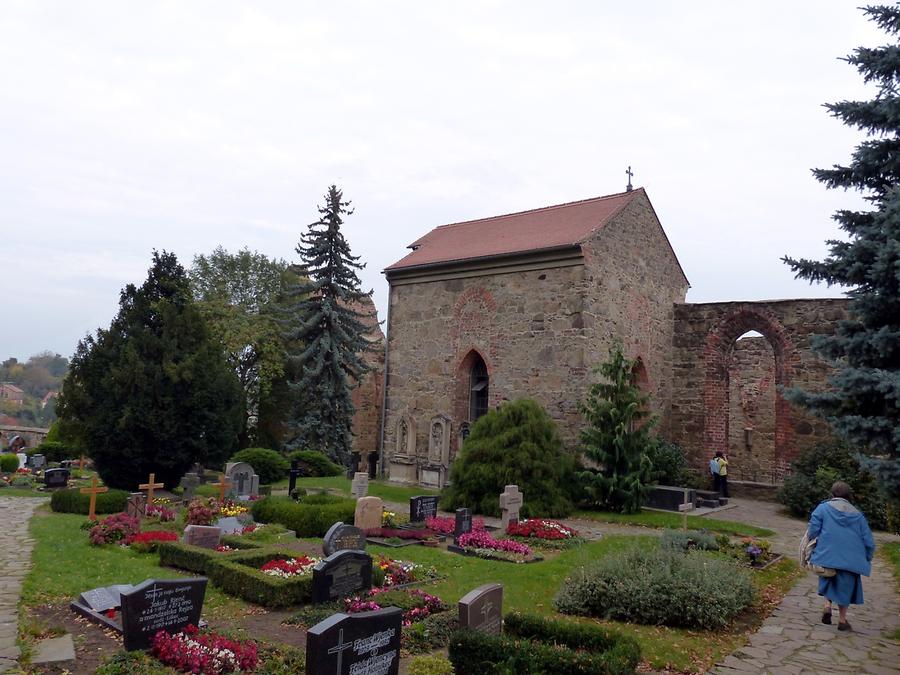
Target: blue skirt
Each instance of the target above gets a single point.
(844, 588)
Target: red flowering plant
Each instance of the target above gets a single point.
(113, 529)
(160, 512)
(483, 545)
(291, 567)
(204, 653)
(146, 542)
(202, 511)
(400, 572)
(416, 603)
(447, 525)
(224, 548)
(543, 533)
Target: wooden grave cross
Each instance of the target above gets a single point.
(150, 486)
(223, 485)
(93, 491)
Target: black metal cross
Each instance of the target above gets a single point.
(629, 173)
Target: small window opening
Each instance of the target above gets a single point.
(478, 389)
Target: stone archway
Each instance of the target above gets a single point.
(716, 351)
(463, 386)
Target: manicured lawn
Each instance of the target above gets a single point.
(674, 520)
(22, 492)
(389, 492)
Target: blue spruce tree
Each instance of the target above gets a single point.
(864, 403)
(329, 339)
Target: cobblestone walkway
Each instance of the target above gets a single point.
(794, 641)
(15, 560)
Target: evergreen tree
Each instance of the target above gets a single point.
(152, 393)
(617, 437)
(329, 341)
(864, 403)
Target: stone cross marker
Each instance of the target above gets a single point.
(341, 537)
(463, 523)
(366, 642)
(359, 488)
(156, 605)
(189, 483)
(482, 609)
(93, 491)
(136, 507)
(422, 507)
(244, 480)
(368, 513)
(511, 501)
(150, 486)
(340, 575)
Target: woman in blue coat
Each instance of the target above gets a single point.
(845, 544)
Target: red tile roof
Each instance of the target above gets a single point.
(549, 227)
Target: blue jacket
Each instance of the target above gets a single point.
(845, 540)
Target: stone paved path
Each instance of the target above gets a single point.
(794, 641)
(15, 560)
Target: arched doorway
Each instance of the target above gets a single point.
(472, 395)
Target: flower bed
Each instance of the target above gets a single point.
(113, 529)
(160, 513)
(543, 533)
(447, 526)
(147, 542)
(749, 551)
(393, 573)
(202, 511)
(193, 652)
(482, 545)
(240, 574)
(416, 604)
(290, 567)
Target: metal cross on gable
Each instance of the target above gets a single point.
(629, 173)
(339, 649)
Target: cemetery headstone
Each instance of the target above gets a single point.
(56, 478)
(189, 483)
(359, 487)
(244, 481)
(463, 523)
(482, 609)
(422, 507)
(368, 513)
(150, 486)
(23, 459)
(341, 537)
(156, 605)
(136, 506)
(366, 642)
(511, 501)
(37, 462)
(341, 574)
(230, 525)
(205, 536)
(293, 475)
(105, 598)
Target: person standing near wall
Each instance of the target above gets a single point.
(714, 471)
(722, 461)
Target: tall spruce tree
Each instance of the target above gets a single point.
(153, 392)
(617, 437)
(864, 402)
(329, 341)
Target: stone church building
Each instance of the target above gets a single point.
(528, 304)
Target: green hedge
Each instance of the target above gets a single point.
(315, 464)
(309, 517)
(72, 501)
(54, 451)
(196, 558)
(544, 646)
(238, 574)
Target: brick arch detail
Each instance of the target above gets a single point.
(717, 346)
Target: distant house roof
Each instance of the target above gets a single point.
(9, 386)
(526, 231)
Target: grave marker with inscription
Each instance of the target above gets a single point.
(482, 609)
(204, 536)
(341, 537)
(156, 605)
(341, 574)
(56, 478)
(463, 523)
(422, 507)
(351, 644)
(359, 487)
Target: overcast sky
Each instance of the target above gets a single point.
(129, 126)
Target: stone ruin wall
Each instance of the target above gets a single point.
(702, 413)
(751, 406)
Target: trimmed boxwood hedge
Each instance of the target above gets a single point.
(311, 516)
(544, 646)
(72, 501)
(196, 558)
(238, 574)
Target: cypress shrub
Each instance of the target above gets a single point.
(306, 518)
(9, 462)
(315, 464)
(515, 445)
(72, 501)
(269, 465)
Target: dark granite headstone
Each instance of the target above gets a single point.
(156, 605)
(482, 609)
(423, 507)
(366, 642)
(341, 537)
(204, 536)
(341, 574)
(293, 475)
(670, 498)
(463, 523)
(56, 478)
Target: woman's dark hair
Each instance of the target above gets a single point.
(719, 453)
(842, 490)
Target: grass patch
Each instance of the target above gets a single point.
(891, 553)
(389, 492)
(675, 520)
(65, 564)
(23, 492)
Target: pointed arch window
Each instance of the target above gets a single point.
(478, 389)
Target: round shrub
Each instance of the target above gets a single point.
(72, 501)
(315, 464)
(55, 451)
(516, 444)
(668, 463)
(816, 470)
(271, 466)
(9, 462)
(655, 587)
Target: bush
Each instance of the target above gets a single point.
(196, 558)
(55, 451)
(72, 501)
(311, 516)
(668, 463)
(546, 646)
(658, 587)
(315, 464)
(814, 472)
(238, 574)
(9, 462)
(432, 633)
(681, 540)
(113, 529)
(269, 465)
(515, 445)
(430, 665)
